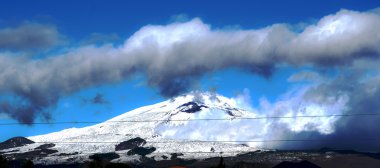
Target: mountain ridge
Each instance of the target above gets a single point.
(153, 123)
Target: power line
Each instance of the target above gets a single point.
(199, 119)
(200, 141)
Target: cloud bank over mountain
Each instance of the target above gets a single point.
(173, 57)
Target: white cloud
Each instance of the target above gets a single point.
(290, 104)
(243, 100)
(306, 76)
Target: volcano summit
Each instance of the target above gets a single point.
(158, 131)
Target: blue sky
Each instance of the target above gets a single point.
(72, 25)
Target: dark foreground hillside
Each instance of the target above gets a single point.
(259, 159)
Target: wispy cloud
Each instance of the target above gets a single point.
(306, 76)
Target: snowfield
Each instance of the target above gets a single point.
(170, 127)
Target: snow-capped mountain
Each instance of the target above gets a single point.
(161, 129)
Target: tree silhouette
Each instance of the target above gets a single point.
(27, 164)
(3, 162)
(97, 162)
(221, 163)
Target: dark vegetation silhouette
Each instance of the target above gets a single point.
(3, 162)
(27, 164)
(221, 163)
(96, 163)
(302, 164)
(103, 161)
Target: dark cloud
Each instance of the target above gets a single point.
(173, 57)
(37, 85)
(97, 99)
(28, 36)
(355, 132)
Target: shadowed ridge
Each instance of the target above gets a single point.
(15, 142)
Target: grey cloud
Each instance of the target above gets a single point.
(97, 99)
(37, 84)
(28, 36)
(173, 57)
(308, 76)
(375, 10)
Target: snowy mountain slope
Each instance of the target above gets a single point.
(171, 126)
